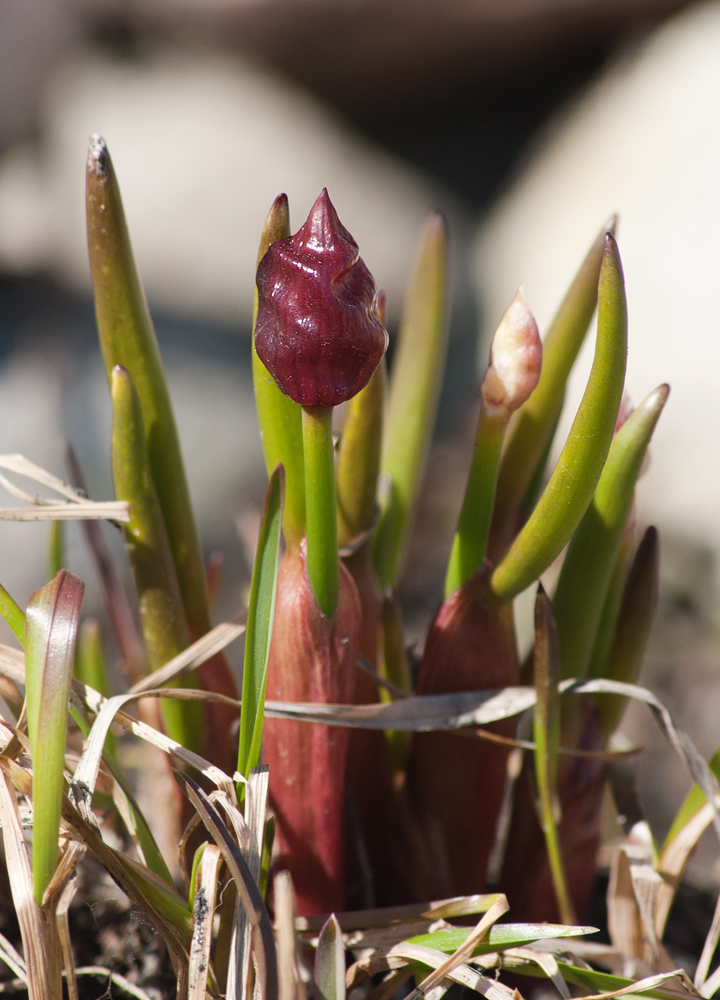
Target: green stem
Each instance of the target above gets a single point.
(470, 541)
(320, 509)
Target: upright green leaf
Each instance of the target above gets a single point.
(632, 629)
(53, 616)
(414, 388)
(576, 475)
(127, 338)
(358, 462)
(261, 612)
(588, 565)
(160, 601)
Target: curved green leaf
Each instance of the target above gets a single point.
(532, 427)
(576, 475)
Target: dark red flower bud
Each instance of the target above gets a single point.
(318, 332)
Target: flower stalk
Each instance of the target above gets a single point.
(513, 373)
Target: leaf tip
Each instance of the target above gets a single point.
(98, 162)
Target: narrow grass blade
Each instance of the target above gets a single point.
(414, 388)
(463, 951)
(13, 615)
(261, 612)
(501, 937)
(330, 962)
(160, 600)
(248, 892)
(576, 475)
(63, 928)
(546, 730)
(291, 986)
(532, 427)
(279, 416)
(587, 569)
(98, 742)
(43, 958)
(42, 509)
(166, 910)
(127, 338)
(53, 617)
(205, 895)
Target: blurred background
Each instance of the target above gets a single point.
(527, 121)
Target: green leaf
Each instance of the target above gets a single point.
(573, 482)
(160, 601)
(613, 602)
(632, 628)
(127, 338)
(532, 427)
(588, 566)
(13, 615)
(358, 463)
(330, 962)
(415, 382)
(501, 936)
(53, 617)
(90, 666)
(261, 612)
(280, 418)
(546, 730)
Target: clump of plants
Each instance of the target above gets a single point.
(351, 821)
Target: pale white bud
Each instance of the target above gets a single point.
(515, 361)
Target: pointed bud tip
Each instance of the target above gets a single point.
(318, 331)
(118, 376)
(611, 246)
(611, 224)
(98, 156)
(515, 361)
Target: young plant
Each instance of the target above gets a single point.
(319, 335)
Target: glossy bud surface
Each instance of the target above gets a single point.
(318, 332)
